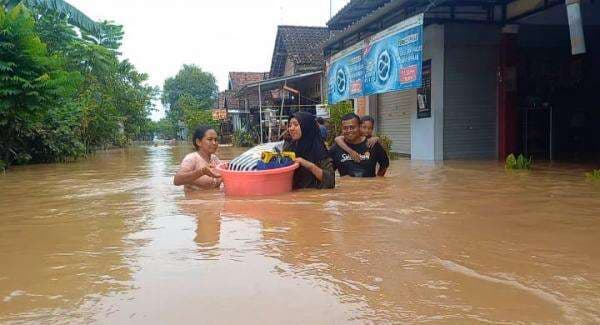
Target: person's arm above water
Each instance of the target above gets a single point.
(382, 159)
(204, 177)
(326, 166)
(339, 140)
(312, 167)
(372, 141)
(323, 171)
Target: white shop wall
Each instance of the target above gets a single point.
(427, 136)
(422, 139)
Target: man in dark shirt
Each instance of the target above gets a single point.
(369, 157)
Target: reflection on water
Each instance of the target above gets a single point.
(111, 240)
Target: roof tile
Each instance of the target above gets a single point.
(302, 44)
(239, 79)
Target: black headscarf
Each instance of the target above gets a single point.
(310, 146)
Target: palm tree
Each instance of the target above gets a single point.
(74, 15)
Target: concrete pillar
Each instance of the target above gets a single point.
(427, 134)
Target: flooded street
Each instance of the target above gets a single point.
(111, 240)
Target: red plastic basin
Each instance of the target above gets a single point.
(257, 183)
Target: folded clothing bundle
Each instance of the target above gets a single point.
(272, 160)
(249, 160)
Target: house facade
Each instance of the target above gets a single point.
(294, 83)
(238, 106)
(503, 77)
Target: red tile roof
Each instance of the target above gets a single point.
(226, 99)
(302, 45)
(239, 79)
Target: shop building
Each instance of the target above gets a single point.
(498, 77)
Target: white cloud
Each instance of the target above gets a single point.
(219, 36)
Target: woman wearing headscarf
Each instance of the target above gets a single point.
(316, 167)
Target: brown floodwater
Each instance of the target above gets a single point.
(111, 240)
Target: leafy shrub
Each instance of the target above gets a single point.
(519, 162)
(31, 82)
(64, 94)
(594, 175)
(194, 114)
(336, 112)
(121, 140)
(386, 143)
(243, 138)
(57, 137)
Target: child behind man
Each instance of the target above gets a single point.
(367, 124)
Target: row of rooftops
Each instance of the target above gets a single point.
(354, 11)
(306, 46)
(301, 45)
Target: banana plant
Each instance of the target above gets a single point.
(74, 15)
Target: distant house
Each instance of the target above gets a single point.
(297, 64)
(237, 107)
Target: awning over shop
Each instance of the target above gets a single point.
(278, 83)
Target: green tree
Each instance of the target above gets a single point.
(63, 95)
(190, 81)
(110, 35)
(58, 136)
(134, 99)
(194, 115)
(116, 99)
(31, 80)
(60, 7)
(165, 129)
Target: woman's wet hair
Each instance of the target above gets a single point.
(367, 118)
(199, 133)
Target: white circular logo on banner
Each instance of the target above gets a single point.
(384, 63)
(340, 81)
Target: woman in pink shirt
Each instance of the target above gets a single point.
(197, 168)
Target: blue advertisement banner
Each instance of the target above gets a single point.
(345, 74)
(387, 61)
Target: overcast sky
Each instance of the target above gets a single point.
(217, 35)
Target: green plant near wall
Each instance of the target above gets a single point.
(594, 175)
(243, 138)
(386, 143)
(519, 162)
(336, 112)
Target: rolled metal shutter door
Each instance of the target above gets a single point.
(393, 118)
